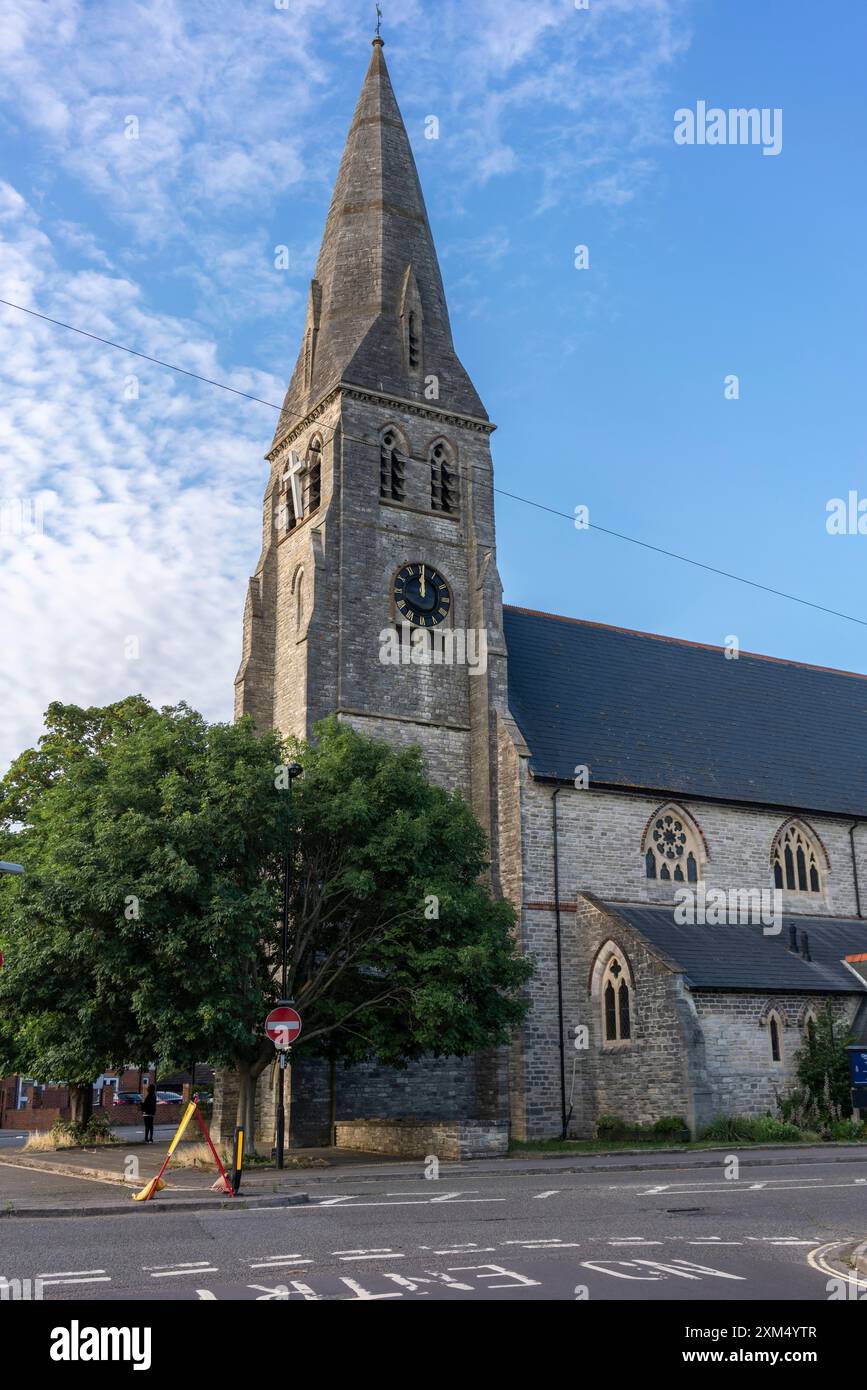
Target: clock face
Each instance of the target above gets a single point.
(421, 595)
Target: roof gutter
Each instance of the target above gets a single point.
(559, 937)
(551, 779)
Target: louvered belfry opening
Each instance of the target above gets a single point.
(314, 476)
(443, 481)
(392, 469)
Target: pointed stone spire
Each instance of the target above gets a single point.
(377, 315)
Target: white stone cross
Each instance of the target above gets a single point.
(293, 476)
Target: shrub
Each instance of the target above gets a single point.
(770, 1131)
(850, 1129)
(823, 1069)
(98, 1129)
(746, 1129)
(613, 1127)
(669, 1124)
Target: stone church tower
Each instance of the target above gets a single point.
(380, 463)
(380, 500)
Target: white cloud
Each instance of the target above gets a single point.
(151, 507)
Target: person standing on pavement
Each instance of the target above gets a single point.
(148, 1110)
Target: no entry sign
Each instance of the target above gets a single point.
(283, 1025)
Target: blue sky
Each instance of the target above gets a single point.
(556, 129)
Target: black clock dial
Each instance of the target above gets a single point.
(421, 596)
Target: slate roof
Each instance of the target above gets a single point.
(656, 713)
(738, 956)
(377, 226)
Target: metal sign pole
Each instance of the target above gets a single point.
(281, 1109)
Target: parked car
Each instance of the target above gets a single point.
(127, 1097)
(169, 1097)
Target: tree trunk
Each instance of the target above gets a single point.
(81, 1102)
(248, 1077)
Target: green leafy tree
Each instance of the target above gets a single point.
(147, 923)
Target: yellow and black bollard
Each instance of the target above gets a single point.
(237, 1158)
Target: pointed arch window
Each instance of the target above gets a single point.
(413, 340)
(298, 586)
(775, 1037)
(443, 480)
(286, 511)
(616, 1003)
(810, 1021)
(795, 860)
(411, 323)
(671, 848)
(392, 468)
(314, 475)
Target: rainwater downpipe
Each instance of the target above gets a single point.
(559, 940)
(852, 828)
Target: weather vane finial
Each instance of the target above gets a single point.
(378, 22)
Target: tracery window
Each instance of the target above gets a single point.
(392, 468)
(443, 480)
(616, 1015)
(796, 861)
(672, 852)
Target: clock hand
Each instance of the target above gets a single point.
(422, 581)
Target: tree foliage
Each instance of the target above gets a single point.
(147, 923)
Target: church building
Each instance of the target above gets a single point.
(629, 784)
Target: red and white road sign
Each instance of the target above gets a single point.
(283, 1025)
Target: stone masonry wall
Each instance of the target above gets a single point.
(744, 1079)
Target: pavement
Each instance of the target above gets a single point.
(652, 1228)
(96, 1174)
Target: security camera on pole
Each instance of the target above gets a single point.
(288, 1026)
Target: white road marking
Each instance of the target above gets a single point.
(783, 1240)
(180, 1264)
(173, 1273)
(69, 1273)
(772, 1185)
(636, 1240)
(392, 1255)
(462, 1250)
(100, 1279)
(538, 1196)
(277, 1261)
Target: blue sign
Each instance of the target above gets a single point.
(858, 1065)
